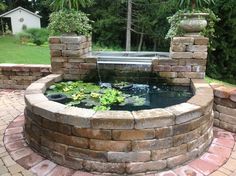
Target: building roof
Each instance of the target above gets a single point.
(20, 8)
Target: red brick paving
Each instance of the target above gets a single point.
(216, 162)
(221, 134)
(13, 138)
(62, 171)
(20, 153)
(204, 166)
(15, 145)
(220, 150)
(30, 160)
(215, 159)
(224, 142)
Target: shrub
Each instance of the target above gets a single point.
(38, 36)
(69, 21)
(222, 61)
(24, 37)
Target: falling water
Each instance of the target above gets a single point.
(98, 72)
(142, 60)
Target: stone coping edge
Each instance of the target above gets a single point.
(198, 105)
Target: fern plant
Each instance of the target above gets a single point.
(195, 4)
(69, 4)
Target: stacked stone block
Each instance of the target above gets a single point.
(188, 58)
(118, 142)
(70, 56)
(225, 107)
(20, 76)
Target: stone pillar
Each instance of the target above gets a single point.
(188, 58)
(70, 56)
(191, 56)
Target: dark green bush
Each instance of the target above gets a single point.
(222, 61)
(38, 36)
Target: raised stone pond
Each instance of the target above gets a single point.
(118, 141)
(122, 142)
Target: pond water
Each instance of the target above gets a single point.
(107, 96)
(159, 96)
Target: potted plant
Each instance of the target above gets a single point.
(193, 18)
(68, 20)
(194, 21)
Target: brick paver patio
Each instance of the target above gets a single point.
(220, 160)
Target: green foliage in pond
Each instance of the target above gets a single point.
(93, 96)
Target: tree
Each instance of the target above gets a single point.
(70, 4)
(11, 4)
(2, 6)
(109, 22)
(128, 28)
(149, 22)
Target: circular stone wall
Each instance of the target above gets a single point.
(119, 142)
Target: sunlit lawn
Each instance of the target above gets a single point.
(12, 51)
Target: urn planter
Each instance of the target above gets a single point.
(193, 22)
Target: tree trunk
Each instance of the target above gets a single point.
(140, 41)
(154, 44)
(2, 25)
(193, 4)
(128, 29)
(70, 7)
(34, 3)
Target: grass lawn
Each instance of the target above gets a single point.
(210, 80)
(11, 51)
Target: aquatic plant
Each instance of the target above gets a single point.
(89, 94)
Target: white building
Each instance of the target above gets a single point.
(22, 17)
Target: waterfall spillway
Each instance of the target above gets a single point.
(135, 58)
(119, 64)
